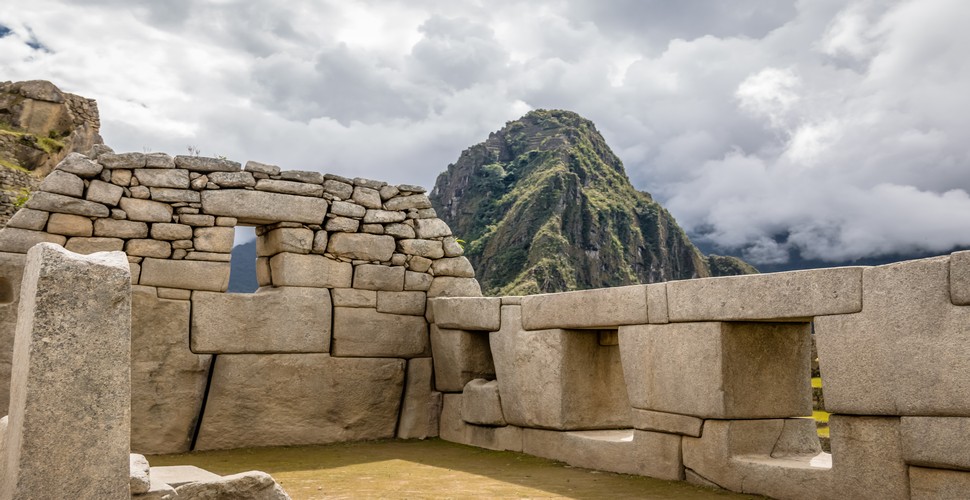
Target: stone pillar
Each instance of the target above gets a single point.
(69, 423)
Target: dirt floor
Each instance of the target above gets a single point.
(431, 469)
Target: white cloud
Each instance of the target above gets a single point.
(828, 127)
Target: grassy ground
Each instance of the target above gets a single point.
(431, 469)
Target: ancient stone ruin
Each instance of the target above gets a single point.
(369, 324)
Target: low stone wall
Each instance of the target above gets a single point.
(333, 347)
(709, 380)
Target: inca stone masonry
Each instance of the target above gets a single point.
(370, 324)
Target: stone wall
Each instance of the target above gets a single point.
(334, 346)
(709, 380)
(369, 324)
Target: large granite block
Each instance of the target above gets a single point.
(370, 247)
(906, 353)
(11, 272)
(794, 295)
(959, 278)
(481, 403)
(939, 442)
(468, 313)
(719, 370)
(459, 357)
(601, 308)
(294, 399)
(558, 379)
(15, 240)
(670, 423)
(624, 450)
(421, 405)
(167, 379)
(938, 484)
(69, 424)
(272, 320)
(377, 277)
(867, 457)
(262, 207)
(187, 274)
(364, 332)
(456, 430)
(292, 269)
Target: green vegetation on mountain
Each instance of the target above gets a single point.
(546, 206)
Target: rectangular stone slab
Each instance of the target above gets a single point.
(69, 422)
(763, 297)
(260, 207)
(364, 332)
(294, 399)
(468, 313)
(604, 307)
(187, 274)
(272, 320)
(906, 353)
(719, 370)
(939, 442)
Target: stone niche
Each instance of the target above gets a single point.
(345, 268)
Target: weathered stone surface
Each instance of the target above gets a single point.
(121, 177)
(765, 457)
(604, 307)
(459, 357)
(936, 441)
(347, 209)
(378, 277)
(342, 224)
(197, 220)
(71, 357)
(169, 178)
(359, 332)
(671, 423)
(203, 164)
(177, 475)
(399, 231)
(445, 286)
(11, 271)
(306, 176)
(17, 240)
(624, 451)
(423, 248)
(167, 379)
(122, 160)
(261, 207)
(105, 193)
(170, 232)
(159, 160)
(188, 274)
(232, 179)
(657, 303)
(407, 303)
(789, 295)
(214, 239)
(388, 192)
(927, 369)
(146, 210)
(557, 379)
(454, 429)
(959, 278)
(468, 313)
(173, 293)
(80, 165)
(384, 217)
(262, 168)
(291, 269)
(57, 203)
(417, 281)
(366, 197)
(170, 195)
(451, 247)
(938, 484)
(272, 320)
(284, 239)
(418, 264)
(149, 248)
(254, 402)
(362, 246)
(867, 457)
(351, 297)
(26, 218)
(431, 228)
(340, 189)
(139, 479)
(481, 404)
(459, 267)
(406, 202)
(719, 370)
(70, 225)
(120, 228)
(61, 182)
(91, 245)
(289, 187)
(421, 405)
(252, 484)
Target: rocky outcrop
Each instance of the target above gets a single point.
(545, 206)
(39, 126)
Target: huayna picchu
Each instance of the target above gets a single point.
(545, 206)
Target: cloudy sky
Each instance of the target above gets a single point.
(837, 129)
